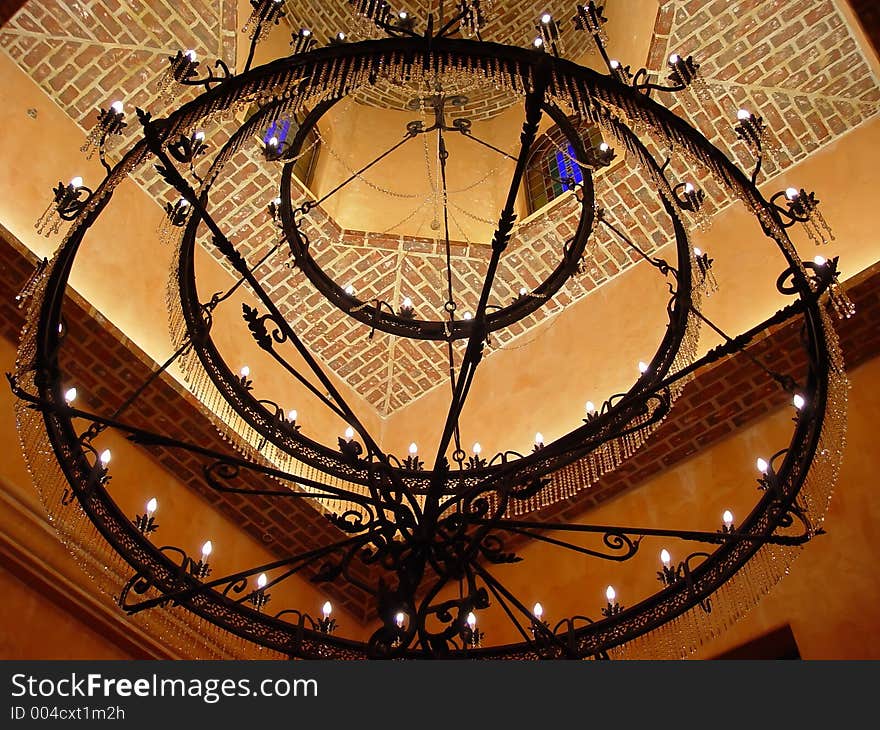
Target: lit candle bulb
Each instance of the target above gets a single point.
(799, 401)
(292, 415)
(688, 187)
(697, 252)
(273, 141)
(791, 193)
(76, 182)
(399, 619)
(743, 115)
(610, 594)
(152, 505)
(603, 147)
(523, 291)
(477, 449)
(820, 260)
(538, 42)
(403, 15)
(643, 367)
(191, 55)
(340, 36)
(467, 315)
(327, 609)
(349, 433)
(590, 407)
(673, 59)
(665, 558)
(762, 465)
(472, 620)
(539, 439)
(615, 64)
(727, 518)
(305, 32)
(413, 449)
(105, 457)
(407, 303)
(349, 290)
(70, 395)
(117, 107)
(207, 549)
(245, 372)
(200, 137)
(261, 581)
(538, 611)
(546, 18)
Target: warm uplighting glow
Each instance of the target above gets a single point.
(152, 506)
(105, 457)
(327, 609)
(261, 581)
(799, 401)
(610, 594)
(472, 620)
(762, 465)
(245, 371)
(70, 395)
(665, 558)
(349, 433)
(727, 518)
(413, 449)
(400, 619)
(539, 438)
(207, 549)
(477, 448)
(743, 115)
(538, 611)
(643, 367)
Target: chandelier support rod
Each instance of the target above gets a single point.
(176, 179)
(473, 352)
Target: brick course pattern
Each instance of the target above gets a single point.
(798, 65)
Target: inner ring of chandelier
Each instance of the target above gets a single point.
(402, 321)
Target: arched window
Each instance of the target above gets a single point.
(551, 169)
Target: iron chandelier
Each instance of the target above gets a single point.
(430, 532)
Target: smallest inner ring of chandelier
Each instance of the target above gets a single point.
(424, 538)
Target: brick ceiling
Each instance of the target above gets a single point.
(797, 63)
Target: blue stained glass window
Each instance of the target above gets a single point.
(566, 168)
(279, 130)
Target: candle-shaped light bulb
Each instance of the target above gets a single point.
(182, 202)
(273, 141)
(539, 439)
(152, 505)
(116, 107)
(590, 407)
(349, 290)
(727, 518)
(477, 449)
(665, 558)
(349, 433)
(538, 611)
(762, 465)
(820, 260)
(467, 316)
(70, 395)
(105, 457)
(340, 36)
(305, 32)
(200, 137)
(643, 367)
(261, 581)
(327, 609)
(472, 620)
(403, 15)
(538, 42)
(191, 56)
(610, 594)
(413, 449)
(207, 549)
(673, 59)
(76, 182)
(603, 146)
(292, 415)
(546, 18)
(688, 187)
(615, 64)
(245, 371)
(399, 619)
(743, 115)
(407, 303)
(698, 251)
(523, 291)
(791, 193)
(799, 401)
